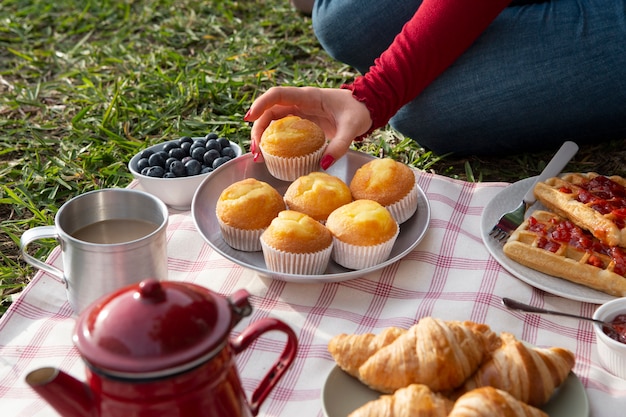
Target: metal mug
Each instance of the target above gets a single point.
(116, 252)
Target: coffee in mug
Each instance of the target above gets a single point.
(109, 239)
(115, 231)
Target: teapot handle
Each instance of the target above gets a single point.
(249, 335)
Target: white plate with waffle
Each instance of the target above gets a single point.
(505, 201)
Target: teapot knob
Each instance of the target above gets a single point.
(240, 305)
(151, 290)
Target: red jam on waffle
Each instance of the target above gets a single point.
(604, 196)
(563, 232)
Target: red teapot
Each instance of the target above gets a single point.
(163, 349)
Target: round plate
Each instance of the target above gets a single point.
(203, 205)
(342, 394)
(507, 200)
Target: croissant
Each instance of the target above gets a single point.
(490, 402)
(414, 400)
(351, 350)
(530, 374)
(440, 354)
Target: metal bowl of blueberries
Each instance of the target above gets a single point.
(173, 170)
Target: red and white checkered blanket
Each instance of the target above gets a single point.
(450, 275)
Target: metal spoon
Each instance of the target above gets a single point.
(516, 305)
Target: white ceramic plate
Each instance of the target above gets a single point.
(203, 211)
(343, 394)
(507, 200)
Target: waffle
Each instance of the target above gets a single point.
(555, 246)
(594, 202)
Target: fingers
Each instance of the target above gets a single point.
(337, 147)
(303, 99)
(354, 121)
(264, 119)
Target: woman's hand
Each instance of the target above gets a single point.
(340, 115)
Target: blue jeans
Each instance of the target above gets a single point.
(540, 74)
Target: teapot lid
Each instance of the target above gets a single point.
(154, 328)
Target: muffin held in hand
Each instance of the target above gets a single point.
(244, 210)
(390, 183)
(295, 243)
(364, 233)
(317, 195)
(292, 147)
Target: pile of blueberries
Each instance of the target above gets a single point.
(186, 157)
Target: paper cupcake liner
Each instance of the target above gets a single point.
(241, 239)
(296, 263)
(290, 169)
(406, 207)
(361, 257)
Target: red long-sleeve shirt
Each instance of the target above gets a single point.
(438, 33)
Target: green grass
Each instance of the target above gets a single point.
(86, 84)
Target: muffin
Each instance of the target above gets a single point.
(390, 183)
(295, 243)
(292, 147)
(364, 233)
(244, 210)
(317, 195)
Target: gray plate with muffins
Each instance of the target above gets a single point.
(205, 199)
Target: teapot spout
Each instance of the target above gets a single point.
(67, 395)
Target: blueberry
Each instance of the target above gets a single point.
(145, 171)
(186, 146)
(142, 163)
(229, 152)
(208, 158)
(193, 167)
(224, 143)
(206, 170)
(170, 145)
(178, 169)
(198, 153)
(213, 144)
(211, 135)
(178, 153)
(169, 175)
(185, 139)
(168, 163)
(146, 153)
(220, 161)
(214, 153)
(198, 142)
(186, 159)
(156, 172)
(156, 160)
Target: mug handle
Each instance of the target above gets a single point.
(250, 334)
(36, 233)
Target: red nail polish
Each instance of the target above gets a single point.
(253, 147)
(326, 162)
(247, 115)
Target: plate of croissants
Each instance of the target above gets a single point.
(449, 369)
